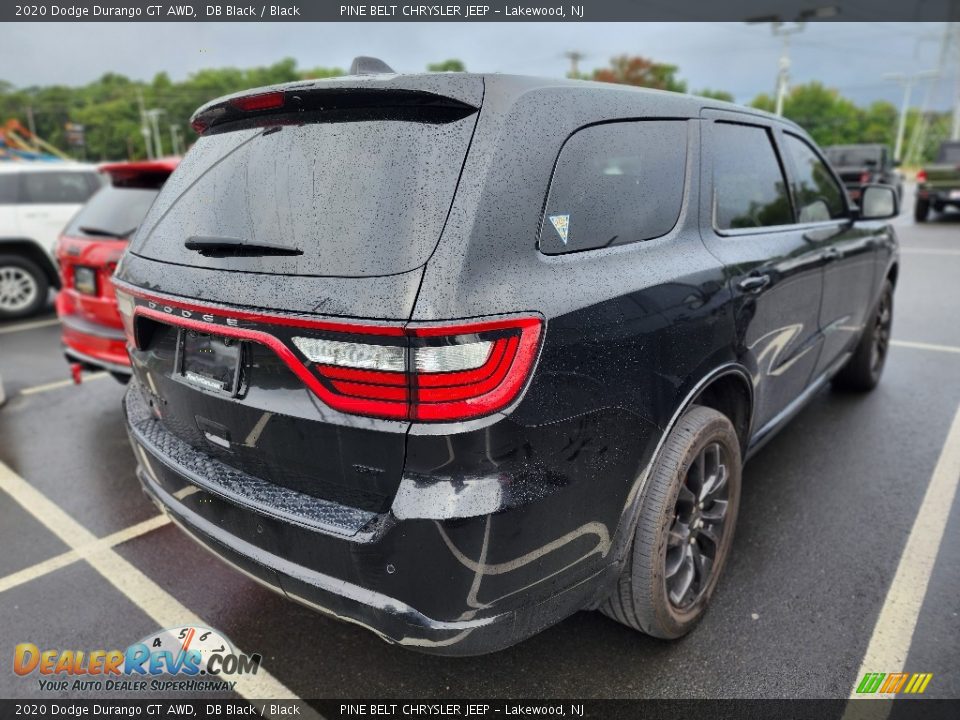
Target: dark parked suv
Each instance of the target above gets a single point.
(454, 356)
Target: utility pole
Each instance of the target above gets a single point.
(783, 72)
(30, 123)
(174, 139)
(949, 40)
(907, 81)
(574, 56)
(154, 115)
(955, 39)
(144, 126)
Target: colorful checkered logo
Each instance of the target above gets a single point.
(893, 683)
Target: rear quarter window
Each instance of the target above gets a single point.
(615, 184)
(57, 188)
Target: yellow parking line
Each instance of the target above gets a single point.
(143, 592)
(28, 326)
(56, 385)
(893, 631)
(71, 556)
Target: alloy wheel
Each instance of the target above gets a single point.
(881, 334)
(18, 288)
(696, 533)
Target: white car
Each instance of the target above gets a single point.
(36, 201)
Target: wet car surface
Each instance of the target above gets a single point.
(827, 507)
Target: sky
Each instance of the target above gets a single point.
(736, 57)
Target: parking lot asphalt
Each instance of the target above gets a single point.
(828, 543)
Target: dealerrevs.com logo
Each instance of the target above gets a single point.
(184, 657)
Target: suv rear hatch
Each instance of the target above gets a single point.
(310, 198)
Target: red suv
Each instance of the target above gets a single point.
(88, 252)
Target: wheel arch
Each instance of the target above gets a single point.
(893, 272)
(31, 250)
(727, 390)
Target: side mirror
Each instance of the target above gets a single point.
(878, 202)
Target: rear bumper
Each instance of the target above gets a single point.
(437, 586)
(94, 344)
(940, 196)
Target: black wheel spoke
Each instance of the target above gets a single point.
(695, 534)
(683, 579)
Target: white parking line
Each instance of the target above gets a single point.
(928, 251)
(28, 326)
(57, 384)
(143, 592)
(925, 346)
(893, 631)
(71, 556)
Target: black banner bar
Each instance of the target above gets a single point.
(483, 11)
(204, 709)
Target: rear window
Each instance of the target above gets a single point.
(57, 188)
(112, 212)
(361, 197)
(854, 156)
(949, 153)
(614, 184)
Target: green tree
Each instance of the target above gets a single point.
(451, 65)
(715, 94)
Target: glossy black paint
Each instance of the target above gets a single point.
(465, 538)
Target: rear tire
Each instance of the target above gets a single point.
(863, 370)
(921, 210)
(684, 530)
(23, 287)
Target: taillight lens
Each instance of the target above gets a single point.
(921, 176)
(125, 306)
(433, 374)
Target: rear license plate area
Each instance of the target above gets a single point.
(85, 280)
(209, 361)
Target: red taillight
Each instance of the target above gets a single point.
(424, 371)
(263, 101)
(921, 176)
(437, 374)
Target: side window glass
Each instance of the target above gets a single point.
(749, 189)
(53, 188)
(818, 195)
(9, 188)
(614, 184)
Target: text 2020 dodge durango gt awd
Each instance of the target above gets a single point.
(455, 356)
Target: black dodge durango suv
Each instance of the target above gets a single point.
(454, 356)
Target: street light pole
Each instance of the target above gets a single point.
(783, 73)
(907, 81)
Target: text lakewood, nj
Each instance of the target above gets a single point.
(464, 11)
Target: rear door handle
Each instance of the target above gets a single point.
(754, 283)
(830, 254)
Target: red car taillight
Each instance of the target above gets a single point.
(921, 176)
(438, 374)
(424, 372)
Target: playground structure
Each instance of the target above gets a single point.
(18, 143)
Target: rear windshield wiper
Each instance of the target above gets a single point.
(106, 233)
(237, 247)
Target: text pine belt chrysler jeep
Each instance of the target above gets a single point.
(454, 356)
